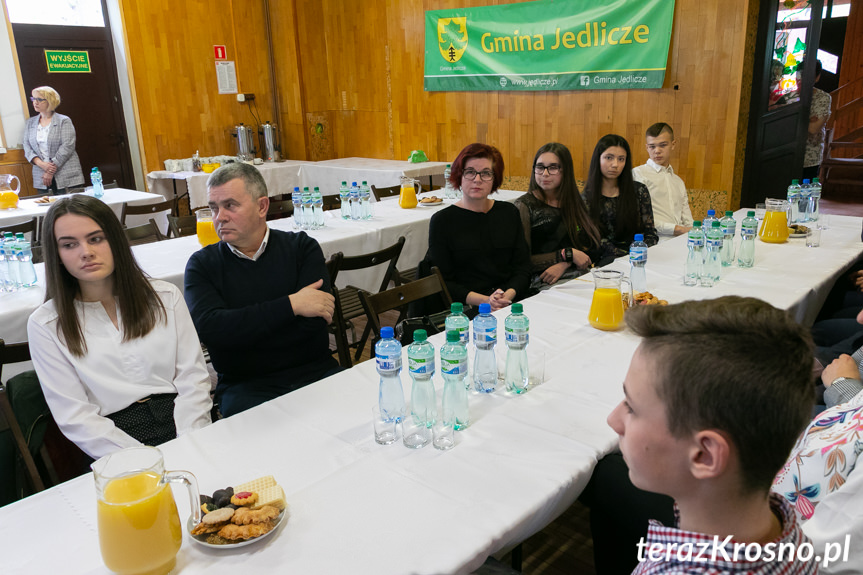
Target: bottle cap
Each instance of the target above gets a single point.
(420, 335)
(343, 183)
(386, 332)
(484, 308)
(365, 183)
(711, 212)
(715, 224)
(806, 181)
(729, 214)
(639, 237)
(353, 183)
(452, 336)
(816, 181)
(750, 214)
(795, 182)
(317, 189)
(517, 308)
(447, 165)
(456, 307)
(696, 224)
(296, 188)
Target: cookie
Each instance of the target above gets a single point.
(244, 498)
(218, 516)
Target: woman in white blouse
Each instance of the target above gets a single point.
(49, 144)
(116, 353)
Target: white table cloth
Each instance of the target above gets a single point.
(358, 507)
(281, 177)
(114, 197)
(329, 174)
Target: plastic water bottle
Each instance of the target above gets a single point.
(297, 200)
(421, 366)
(448, 191)
(345, 198)
(793, 201)
(318, 208)
(638, 264)
(457, 321)
(5, 280)
(815, 201)
(96, 179)
(365, 201)
(748, 231)
(356, 212)
(484, 339)
(713, 256)
(388, 357)
(695, 256)
(803, 202)
(11, 249)
(729, 227)
(308, 213)
(707, 222)
(517, 326)
(453, 366)
(26, 271)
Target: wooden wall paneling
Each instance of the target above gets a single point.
(294, 129)
(851, 73)
(172, 63)
(15, 163)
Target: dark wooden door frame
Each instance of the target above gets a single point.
(81, 34)
(754, 188)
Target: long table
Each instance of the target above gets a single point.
(358, 507)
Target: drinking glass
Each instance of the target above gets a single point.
(444, 435)
(824, 221)
(760, 210)
(416, 433)
(139, 527)
(813, 237)
(206, 229)
(385, 428)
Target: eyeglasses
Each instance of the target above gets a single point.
(471, 174)
(40, 100)
(553, 169)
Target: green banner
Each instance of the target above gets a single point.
(67, 60)
(549, 45)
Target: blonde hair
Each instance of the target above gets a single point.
(49, 94)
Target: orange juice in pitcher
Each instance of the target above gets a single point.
(9, 196)
(774, 229)
(606, 308)
(139, 528)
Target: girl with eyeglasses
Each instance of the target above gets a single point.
(564, 241)
(620, 205)
(116, 352)
(478, 243)
(49, 144)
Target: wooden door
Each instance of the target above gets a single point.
(91, 100)
(778, 123)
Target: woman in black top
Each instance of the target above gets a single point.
(564, 241)
(478, 243)
(620, 205)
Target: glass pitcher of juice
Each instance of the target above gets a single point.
(8, 196)
(774, 229)
(408, 194)
(206, 229)
(607, 306)
(139, 527)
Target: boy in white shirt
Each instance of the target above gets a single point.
(671, 212)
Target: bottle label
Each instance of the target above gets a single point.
(456, 366)
(638, 255)
(463, 334)
(714, 242)
(749, 228)
(421, 364)
(485, 335)
(518, 337)
(389, 362)
(696, 242)
(729, 229)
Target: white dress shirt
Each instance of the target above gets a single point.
(667, 194)
(113, 374)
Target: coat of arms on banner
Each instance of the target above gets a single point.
(452, 38)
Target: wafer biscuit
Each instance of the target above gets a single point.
(256, 485)
(273, 495)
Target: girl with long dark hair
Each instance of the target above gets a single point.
(620, 205)
(117, 354)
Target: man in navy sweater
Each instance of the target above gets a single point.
(260, 298)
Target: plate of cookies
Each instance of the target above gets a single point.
(240, 515)
(430, 201)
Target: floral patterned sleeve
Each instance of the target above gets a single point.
(645, 208)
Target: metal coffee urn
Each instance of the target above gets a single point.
(245, 142)
(271, 148)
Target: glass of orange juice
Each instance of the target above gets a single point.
(9, 196)
(139, 527)
(206, 229)
(606, 308)
(774, 229)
